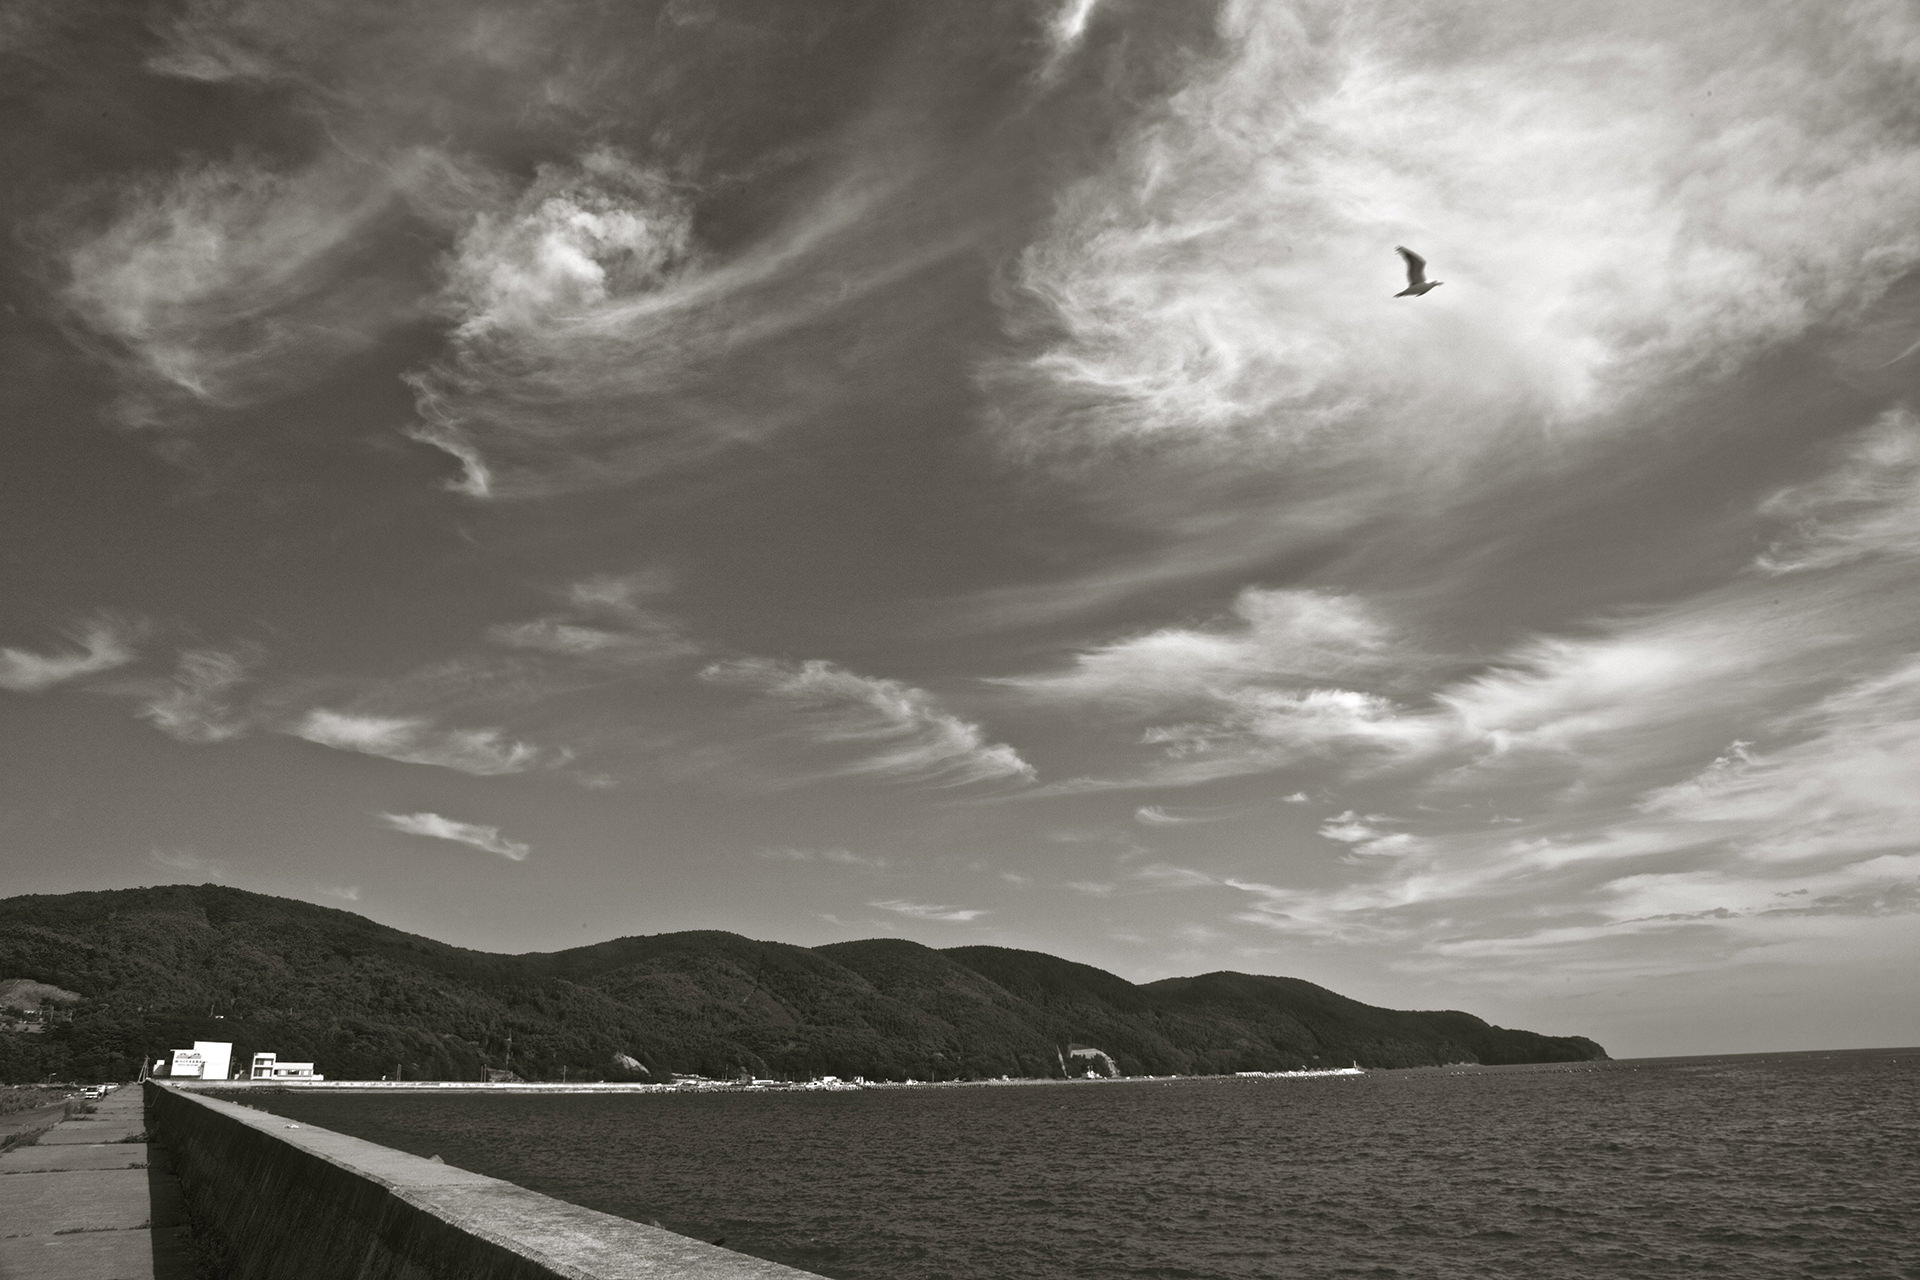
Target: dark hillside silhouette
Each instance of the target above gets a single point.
(159, 968)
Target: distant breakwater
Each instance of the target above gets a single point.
(274, 1198)
(239, 1088)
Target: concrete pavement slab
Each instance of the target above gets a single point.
(65, 1159)
(102, 1255)
(83, 1200)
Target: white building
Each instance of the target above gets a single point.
(267, 1066)
(207, 1060)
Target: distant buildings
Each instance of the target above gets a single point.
(207, 1060)
(267, 1066)
(211, 1059)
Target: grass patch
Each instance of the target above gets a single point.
(25, 1138)
(15, 1098)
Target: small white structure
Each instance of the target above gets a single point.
(267, 1066)
(207, 1060)
(1092, 1057)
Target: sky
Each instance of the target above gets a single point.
(828, 469)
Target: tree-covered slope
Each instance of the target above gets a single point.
(159, 968)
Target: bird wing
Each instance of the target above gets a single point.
(1416, 265)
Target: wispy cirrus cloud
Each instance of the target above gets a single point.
(833, 857)
(871, 725)
(606, 619)
(590, 319)
(188, 862)
(1365, 837)
(1163, 875)
(608, 629)
(1160, 815)
(531, 179)
(196, 705)
(1837, 788)
(1744, 853)
(539, 289)
(412, 740)
(1223, 287)
(435, 827)
(1256, 689)
(1270, 634)
(929, 911)
(95, 646)
(1305, 677)
(1867, 506)
(1066, 32)
(235, 282)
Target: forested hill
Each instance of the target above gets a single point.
(159, 968)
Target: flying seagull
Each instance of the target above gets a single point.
(1417, 282)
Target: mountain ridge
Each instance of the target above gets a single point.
(161, 967)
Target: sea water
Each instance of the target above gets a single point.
(1786, 1165)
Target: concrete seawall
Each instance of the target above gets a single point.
(286, 1201)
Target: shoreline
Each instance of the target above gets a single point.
(711, 1086)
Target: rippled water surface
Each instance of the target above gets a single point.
(1759, 1166)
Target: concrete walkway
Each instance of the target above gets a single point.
(92, 1201)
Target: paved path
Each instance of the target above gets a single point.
(92, 1201)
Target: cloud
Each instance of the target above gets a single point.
(189, 862)
(609, 620)
(1181, 816)
(196, 705)
(1301, 677)
(1222, 287)
(607, 630)
(1161, 875)
(101, 644)
(833, 857)
(1255, 686)
(1366, 839)
(1555, 694)
(1066, 31)
(1838, 787)
(538, 290)
(1273, 635)
(435, 827)
(1866, 507)
(1746, 852)
(565, 639)
(1254, 730)
(590, 323)
(484, 752)
(573, 241)
(926, 911)
(891, 729)
(232, 283)
(635, 267)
